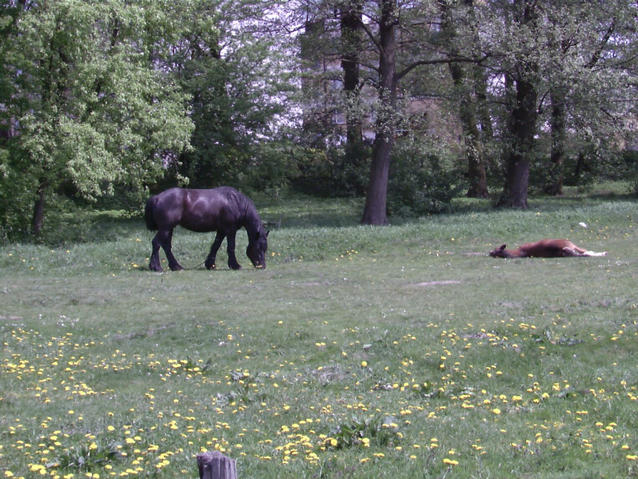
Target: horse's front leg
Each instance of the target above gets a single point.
(166, 240)
(230, 248)
(210, 259)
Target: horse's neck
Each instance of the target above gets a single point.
(251, 222)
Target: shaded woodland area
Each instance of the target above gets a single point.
(406, 103)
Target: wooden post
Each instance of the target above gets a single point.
(214, 465)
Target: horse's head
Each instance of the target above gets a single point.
(499, 252)
(257, 247)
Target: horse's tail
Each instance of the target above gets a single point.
(148, 214)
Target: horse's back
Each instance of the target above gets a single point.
(213, 209)
(202, 210)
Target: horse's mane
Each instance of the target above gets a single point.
(251, 219)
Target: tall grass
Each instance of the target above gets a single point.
(399, 351)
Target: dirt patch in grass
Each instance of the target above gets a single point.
(426, 284)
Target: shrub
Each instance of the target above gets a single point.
(422, 183)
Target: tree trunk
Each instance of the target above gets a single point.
(351, 46)
(554, 184)
(38, 209)
(522, 124)
(580, 166)
(374, 212)
(522, 145)
(467, 112)
(480, 89)
(474, 153)
(351, 41)
(314, 122)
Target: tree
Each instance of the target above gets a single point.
(374, 212)
(92, 109)
(351, 30)
(234, 68)
(397, 63)
(560, 70)
(588, 87)
(522, 79)
(476, 170)
(393, 41)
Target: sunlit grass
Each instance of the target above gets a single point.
(359, 352)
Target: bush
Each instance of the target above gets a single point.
(17, 195)
(331, 172)
(630, 160)
(271, 168)
(422, 183)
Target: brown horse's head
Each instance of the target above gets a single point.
(257, 247)
(499, 252)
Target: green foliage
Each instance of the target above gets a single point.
(630, 162)
(86, 458)
(238, 87)
(422, 182)
(92, 109)
(330, 172)
(100, 101)
(16, 198)
(375, 430)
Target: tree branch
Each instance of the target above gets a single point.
(599, 51)
(439, 61)
(371, 36)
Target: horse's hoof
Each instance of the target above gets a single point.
(234, 266)
(176, 268)
(210, 266)
(157, 269)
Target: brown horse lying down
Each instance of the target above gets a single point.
(547, 248)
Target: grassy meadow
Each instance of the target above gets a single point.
(400, 351)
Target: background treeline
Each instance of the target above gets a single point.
(408, 103)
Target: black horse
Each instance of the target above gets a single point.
(223, 209)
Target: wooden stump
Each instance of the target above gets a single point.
(214, 465)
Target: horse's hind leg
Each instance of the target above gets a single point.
(164, 238)
(154, 263)
(230, 248)
(210, 259)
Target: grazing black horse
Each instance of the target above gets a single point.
(223, 209)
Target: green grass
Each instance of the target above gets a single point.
(399, 351)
